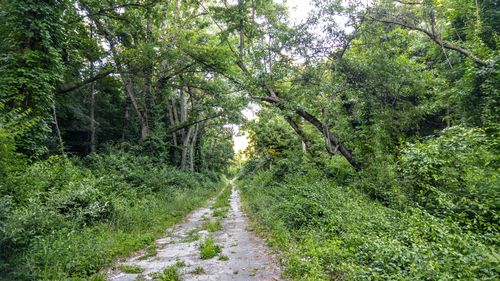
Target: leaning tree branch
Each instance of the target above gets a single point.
(434, 37)
(85, 82)
(187, 124)
(322, 128)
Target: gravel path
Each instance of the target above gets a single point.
(249, 257)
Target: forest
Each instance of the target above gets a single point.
(373, 152)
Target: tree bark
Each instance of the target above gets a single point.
(192, 152)
(171, 118)
(56, 124)
(91, 79)
(322, 128)
(92, 112)
(334, 140)
(145, 131)
(185, 148)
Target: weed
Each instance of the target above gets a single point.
(180, 263)
(82, 218)
(334, 232)
(170, 273)
(221, 212)
(223, 258)
(212, 226)
(98, 277)
(222, 200)
(253, 272)
(130, 268)
(208, 249)
(198, 270)
(150, 252)
(192, 235)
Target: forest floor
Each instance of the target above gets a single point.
(205, 246)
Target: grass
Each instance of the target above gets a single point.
(76, 220)
(130, 268)
(150, 252)
(221, 212)
(223, 199)
(208, 249)
(170, 273)
(221, 206)
(212, 225)
(198, 270)
(100, 277)
(192, 235)
(223, 258)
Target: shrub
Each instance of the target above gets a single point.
(455, 176)
(65, 218)
(333, 232)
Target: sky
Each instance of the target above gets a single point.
(298, 11)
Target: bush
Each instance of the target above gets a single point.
(64, 218)
(333, 232)
(455, 176)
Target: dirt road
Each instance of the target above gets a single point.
(243, 255)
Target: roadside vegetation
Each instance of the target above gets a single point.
(432, 220)
(69, 218)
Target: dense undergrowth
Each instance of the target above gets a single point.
(432, 215)
(67, 219)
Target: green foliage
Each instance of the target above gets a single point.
(12, 124)
(170, 273)
(130, 268)
(208, 249)
(222, 200)
(62, 220)
(212, 226)
(31, 62)
(455, 176)
(337, 232)
(198, 270)
(223, 258)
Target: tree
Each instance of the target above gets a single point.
(32, 63)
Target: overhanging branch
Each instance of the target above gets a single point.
(85, 82)
(434, 37)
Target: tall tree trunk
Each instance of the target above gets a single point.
(306, 143)
(143, 118)
(56, 125)
(192, 152)
(185, 148)
(92, 111)
(171, 118)
(126, 121)
(145, 131)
